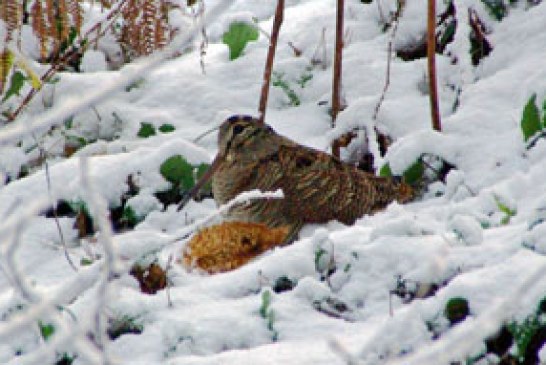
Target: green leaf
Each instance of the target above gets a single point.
(128, 215)
(456, 310)
(509, 213)
(266, 301)
(46, 330)
(544, 114)
(16, 83)
(238, 35)
(146, 130)
(202, 170)
(414, 173)
(530, 120)
(84, 261)
(178, 171)
(79, 206)
(166, 128)
(385, 170)
(279, 82)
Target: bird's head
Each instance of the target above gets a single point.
(239, 132)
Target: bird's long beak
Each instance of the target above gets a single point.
(204, 179)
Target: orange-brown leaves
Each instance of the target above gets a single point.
(145, 26)
(230, 245)
(52, 22)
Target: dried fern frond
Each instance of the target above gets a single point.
(230, 245)
(145, 26)
(11, 12)
(52, 22)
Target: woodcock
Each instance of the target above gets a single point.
(317, 187)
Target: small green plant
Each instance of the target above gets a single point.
(508, 212)
(166, 128)
(280, 82)
(305, 77)
(16, 84)
(46, 330)
(531, 120)
(498, 8)
(525, 331)
(129, 216)
(412, 175)
(456, 310)
(178, 171)
(85, 261)
(124, 324)
(268, 314)
(146, 130)
(237, 37)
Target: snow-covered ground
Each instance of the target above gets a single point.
(480, 235)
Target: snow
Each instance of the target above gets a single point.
(456, 236)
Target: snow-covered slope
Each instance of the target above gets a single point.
(479, 236)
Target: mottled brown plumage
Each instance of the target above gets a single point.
(317, 186)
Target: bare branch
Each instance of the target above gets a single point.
(277, 21)
(336, 82)
(431, 58)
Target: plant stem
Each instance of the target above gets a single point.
(277, 21)
(431, 58)
(336, 82)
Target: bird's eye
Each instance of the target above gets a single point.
(238, 128)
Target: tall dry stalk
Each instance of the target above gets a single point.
(431, 58)
(336, 80)
(277, 22)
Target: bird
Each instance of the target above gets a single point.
(317, 187)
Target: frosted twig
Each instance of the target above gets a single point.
(390, 47)
(99, 210)
(277, 22)
(54, 209)
(126, 76)
(342, 352)
(243, 198)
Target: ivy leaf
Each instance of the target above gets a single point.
(530, 121)
(544, 114)
(16, 83)
(236, 38)
(46, 330)
(385, 170)
(178, 171)
(414, 173)
(266, 301)
(146, 130)
(166, 128)
(202, 170)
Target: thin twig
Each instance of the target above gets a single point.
(168, 282)
(43, 154)
(55, 216)
(336, 80)
(277, 21)
(390, 47)
(431, 58)
(204, 38)
(98, 207)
